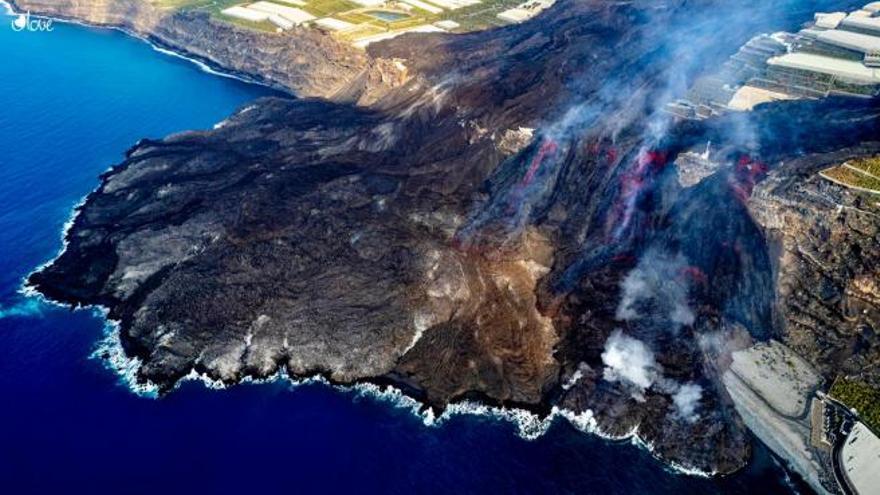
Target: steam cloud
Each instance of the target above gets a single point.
(631, 362)
(686, 400)
(628, 360)
(657, 284)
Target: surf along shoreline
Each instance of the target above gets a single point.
(158, 44)
(531, 421)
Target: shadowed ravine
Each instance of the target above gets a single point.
(407, 242)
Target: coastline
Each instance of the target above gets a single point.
(204, 64)
(530, 425)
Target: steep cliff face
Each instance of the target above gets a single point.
(827, 244)
(409, 242)
(306, 62)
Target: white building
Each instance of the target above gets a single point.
(862, 20)
(859, 42)
(369, 3)
(455, 4)
(847, 70)
(419, 4)
(829, 21)
(525, 11)
(872, 7)
(332, 24)
(281, 22)
(860, 457)
(292, 14)
(246, 14)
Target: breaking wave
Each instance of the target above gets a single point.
(202, 65)
(529, 426)
(29, 291)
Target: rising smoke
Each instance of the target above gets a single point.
(635, 139)
(670, 44)
(686, 400)
(631, 363)
(657, 288)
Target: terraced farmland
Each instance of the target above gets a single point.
(360, 21)
(862, 174)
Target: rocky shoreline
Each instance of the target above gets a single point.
(389, 234)
(305, 63)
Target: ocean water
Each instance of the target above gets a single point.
(71, 102)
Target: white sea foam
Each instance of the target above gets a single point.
(110, 351)
(199, 63)
(28, 307)
(529, 426)
(638, 441)
(26, 289)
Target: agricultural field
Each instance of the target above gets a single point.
(862, 173)
(366, 20)
(214, 7)
(210, 5)
(868, 165)
(861, 397)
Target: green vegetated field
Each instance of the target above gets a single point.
(869, 165)
(474, 17)
(210, 5)
(214, 7)
(861, 397)
(863, 173)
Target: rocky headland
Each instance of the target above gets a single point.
(413, 230)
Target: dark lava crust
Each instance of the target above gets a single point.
(428, 242)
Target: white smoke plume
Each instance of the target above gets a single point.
(630, 361)
(658, 281)
(686, 400)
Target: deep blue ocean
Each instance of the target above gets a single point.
(71, 102)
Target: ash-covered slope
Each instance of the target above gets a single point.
(410, 242)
